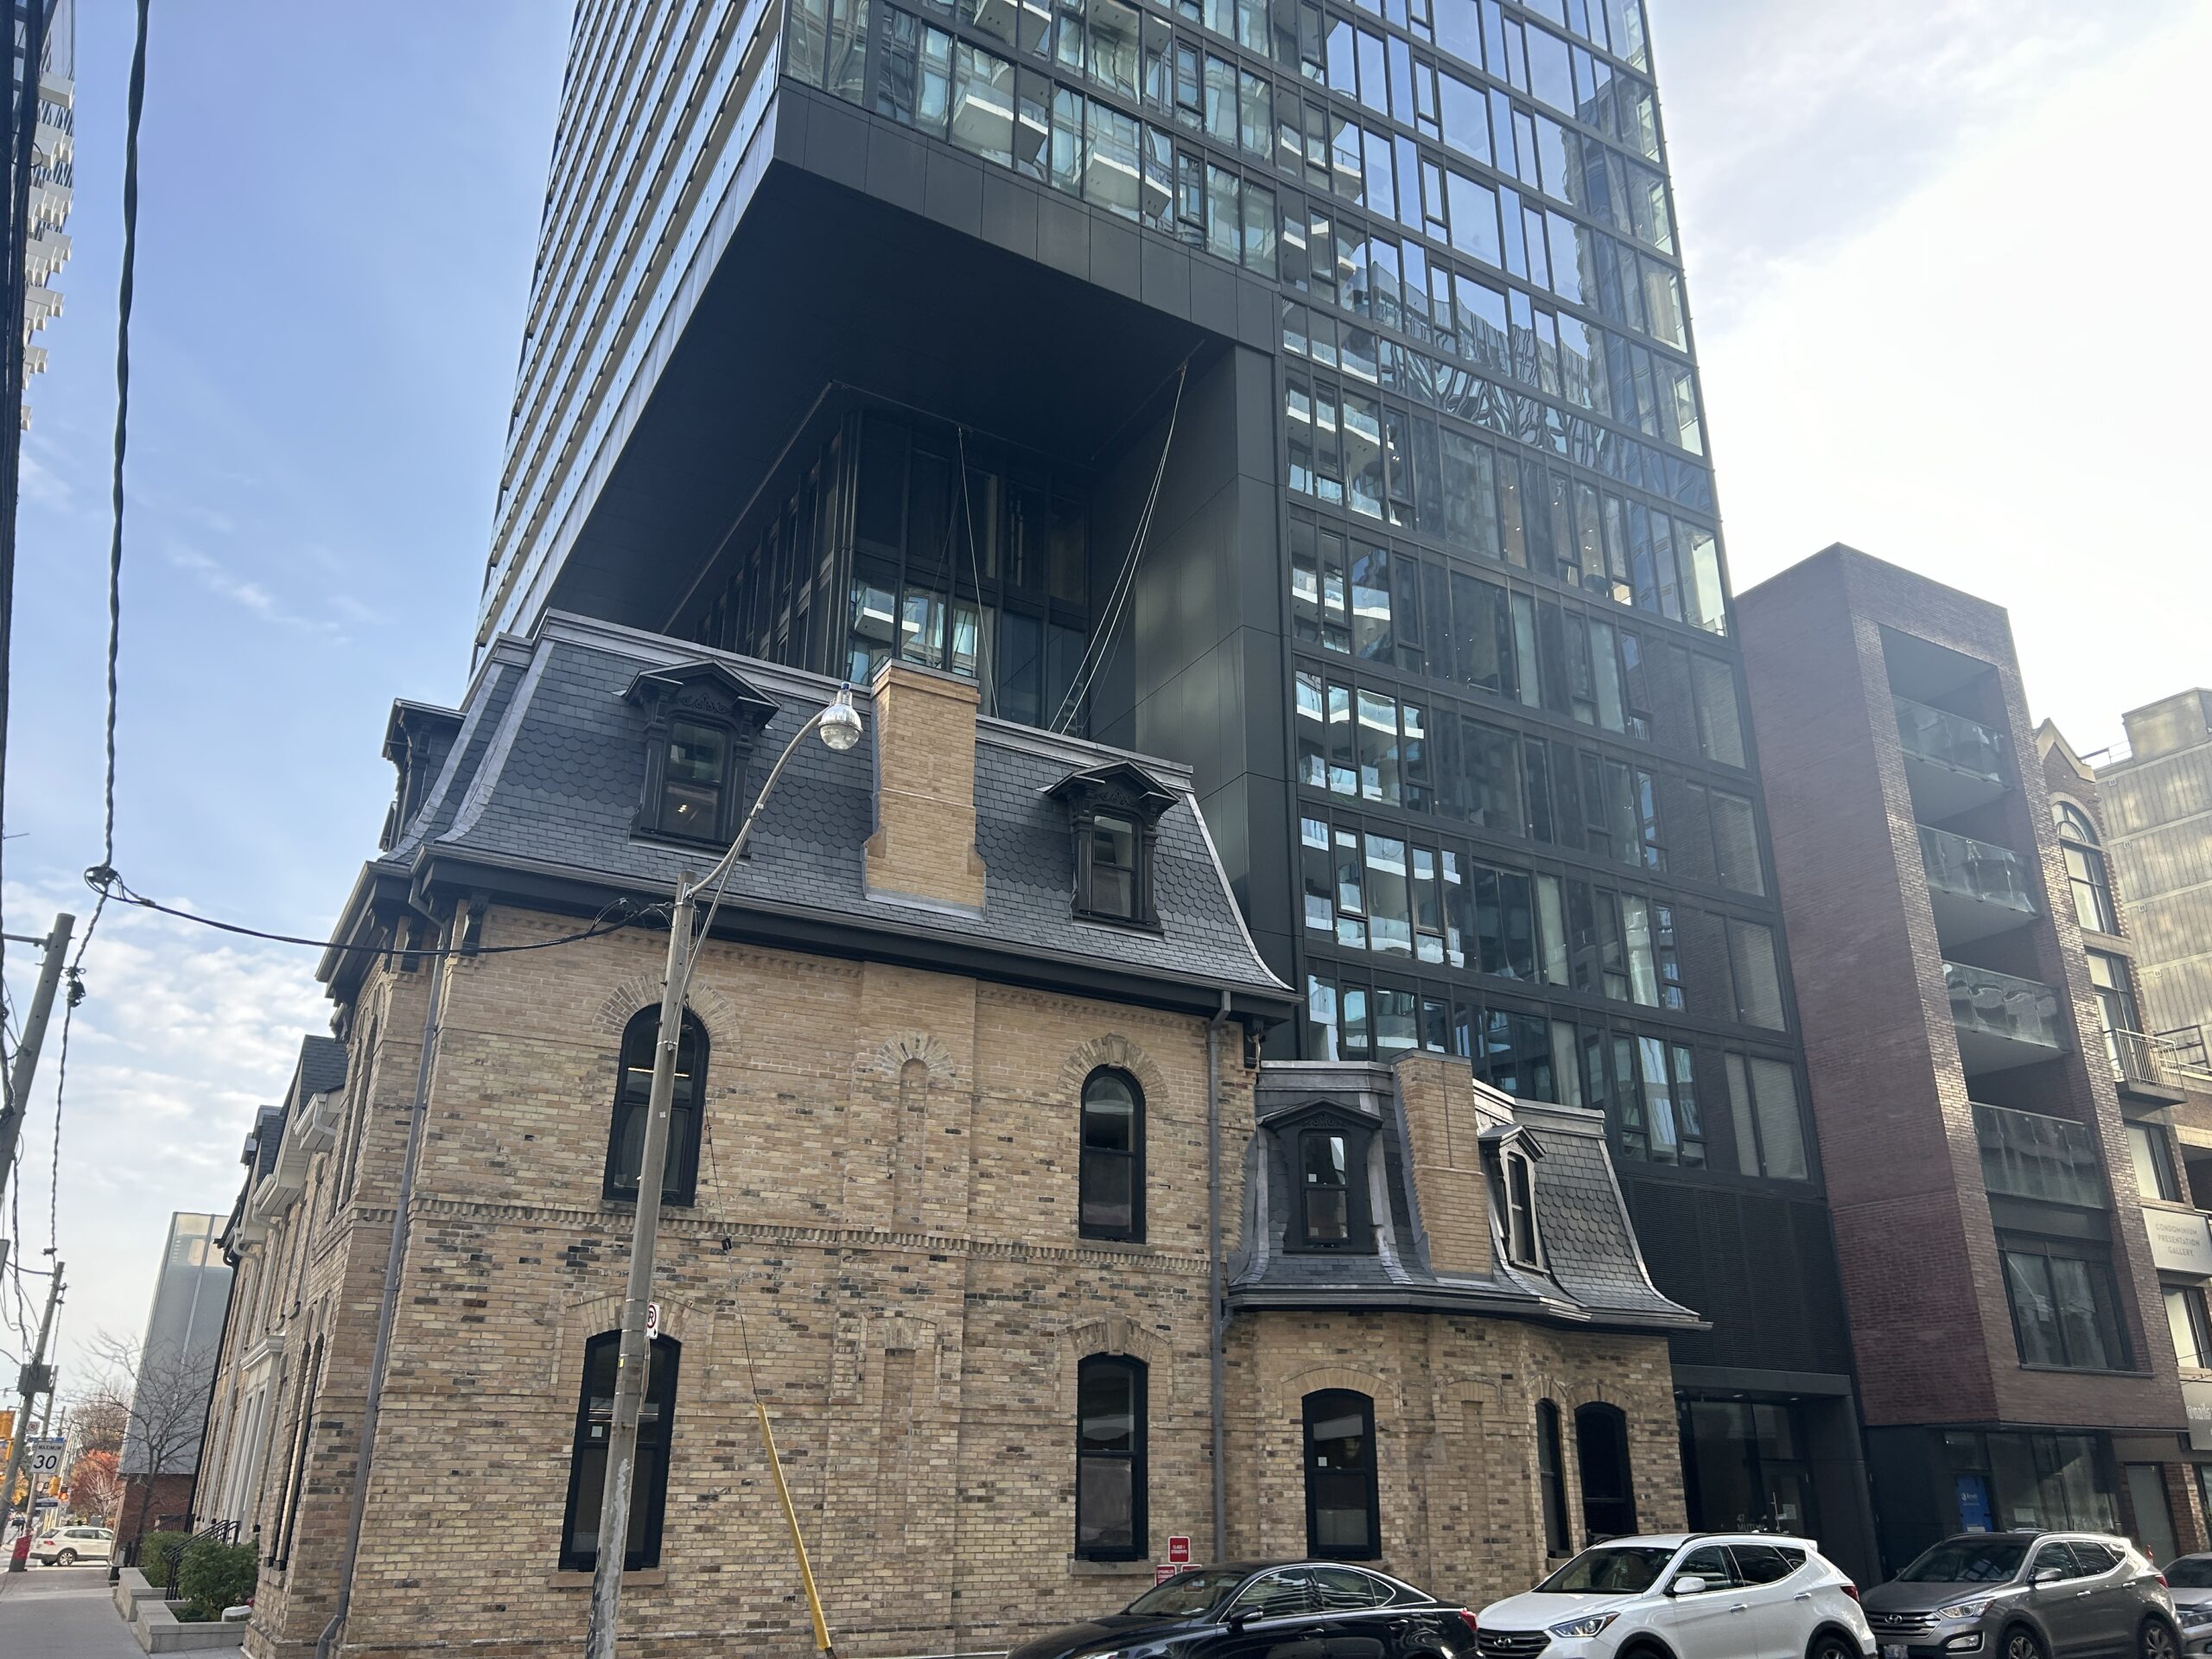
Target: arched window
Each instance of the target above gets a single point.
(1608, 1494)
(1343, 1521)
(1109, 1459)
(633, 1087)
(1112, 1176)
(2085, 869)
(295, 1478)
(1551, 1483)
(588, 1454)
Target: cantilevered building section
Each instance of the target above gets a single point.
(52, 171)
(1305, 393)
(2159, 797)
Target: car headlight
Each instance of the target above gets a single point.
(1590, 1626)
(2199, 1614)
(1966, 1608)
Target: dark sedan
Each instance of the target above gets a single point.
(1270, 1610)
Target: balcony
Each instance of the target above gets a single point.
(1977, 887)
(2002, 1021)
(2029, 1155)
(2147, 1068)
(1951, 763)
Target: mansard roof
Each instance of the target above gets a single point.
(536, 798)
(1594, 1271)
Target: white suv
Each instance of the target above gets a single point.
(1702, 1595)
(72, 1545)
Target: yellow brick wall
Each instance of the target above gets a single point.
(886, 1225)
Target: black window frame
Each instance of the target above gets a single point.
(1137, 1456)
(1319, 1407)
(1516, 1193)
(680, 1177)
(1551, 1479)
(710, 697)
(2103, 1288)
(1360, 1231)
(1128, 794)
(1088, 1155)
(1593, 1419)
(649, 1490)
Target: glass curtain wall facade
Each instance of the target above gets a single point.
(1507, 807)
(1527, 825)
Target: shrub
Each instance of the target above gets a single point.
(214, 1576)
(156, 1553)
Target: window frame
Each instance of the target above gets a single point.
(1137, 1458)
(1320, 1405)
(1359, 1229)
(1134, 1233)
(680, 1179)
(2158, 1154)
(1551, 1480)
(649, 1493)
(2104, 1294)
(710, 696)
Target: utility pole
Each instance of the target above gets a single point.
(37, 1379)
(839, 725)
(17, 1102)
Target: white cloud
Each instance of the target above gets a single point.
(1994, 384)
(182, 1033)
(248, 594)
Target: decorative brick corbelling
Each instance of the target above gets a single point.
(1111, 1050)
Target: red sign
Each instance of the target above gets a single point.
(1160, 1574)
(1178, 1550)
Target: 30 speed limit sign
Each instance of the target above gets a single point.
(43, 1458)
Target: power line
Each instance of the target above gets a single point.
(611, 918)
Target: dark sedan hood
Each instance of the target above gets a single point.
(1072, 1639)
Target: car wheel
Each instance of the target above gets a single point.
(1829, 1645)
(68, 1558)
(2157, 1640)
(2021, 1642)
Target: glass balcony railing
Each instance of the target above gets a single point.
(1998, 1005)
(1978, 869)
(1950, 739)
(2027, 1155)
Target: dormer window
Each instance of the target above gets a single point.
(1107, 886)
(1513, 1197)
(702, 723)
(1330, 1166)
(694, 780)
(1115, 811)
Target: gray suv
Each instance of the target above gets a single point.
(2026, 1595)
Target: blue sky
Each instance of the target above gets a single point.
(1909, 224)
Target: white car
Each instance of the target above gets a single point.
(72, 1545)
(1702, 1595)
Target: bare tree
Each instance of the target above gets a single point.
(96, 1487)
(164, 1389)
(101, 1415)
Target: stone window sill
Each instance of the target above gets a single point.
(1080, 1569)
(577, 1578)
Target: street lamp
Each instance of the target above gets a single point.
(839, 724)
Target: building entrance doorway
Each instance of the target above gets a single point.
(1745, 1466)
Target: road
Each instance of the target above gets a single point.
(61, 1612)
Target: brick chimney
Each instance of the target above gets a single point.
(923, 851)
(1444, 1124)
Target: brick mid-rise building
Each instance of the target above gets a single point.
(970, 1067)
(1977, 1114)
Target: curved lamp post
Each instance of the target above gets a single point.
(840, 726)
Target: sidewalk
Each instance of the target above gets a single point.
(61, 1612)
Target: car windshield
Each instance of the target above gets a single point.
(1611, 1570)
(1186, 1595)
(2190, 1572)
(1967, 1560)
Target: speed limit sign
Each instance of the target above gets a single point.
(43, 1457)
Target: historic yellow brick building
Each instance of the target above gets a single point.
(968, 1146)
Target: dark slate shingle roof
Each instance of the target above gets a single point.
(1596, 1272)
(549, 768)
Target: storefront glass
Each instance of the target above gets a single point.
(2007, 1479)
(1745, 1460)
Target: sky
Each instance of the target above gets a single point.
(1907, 225)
